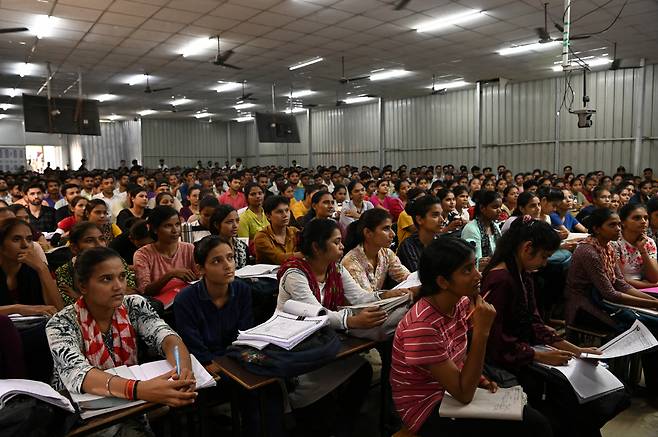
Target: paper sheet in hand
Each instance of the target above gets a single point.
(575, 236)
(637, 339)
(589, 380)
(505, 404)
(411, 281)
(257, 271)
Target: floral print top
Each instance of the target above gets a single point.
(369, 278)
(64, 277)
(66, 344)
(630, 259)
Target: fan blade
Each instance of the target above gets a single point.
(354, 79)
(231, 66)
(14, 29)
(224, 57)
(400, 5)
(155, 90)
(543, 34)
(246, 96)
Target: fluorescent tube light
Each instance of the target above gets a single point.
(3, 116)
(244, 106)
(137, 79)
(197, 46)
(306, 63)
(534, 47)
(202, 115)
(43, 26)
(591, 62)
(105, 97)
(24, 68)
(13, 92)
(114, 117)
(243, 119)
(449, 85)
(389, 74)
(441, 23)
(359, 99)
(5, 106)
(301, 93)
(179, 102)
(146, 112)
(228, 86)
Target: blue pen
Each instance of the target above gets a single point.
(177, 358)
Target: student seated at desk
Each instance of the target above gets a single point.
(253, 219)
(322, 207)
(138, 201)
(278, 241)
(209, 315)
(369, 259)
(84, 236)
(224, 222)
(97, 213)
(426, 215)
(319, 279)
(523, 249)
(353, 208)
(167, 259)
(26, 286)
(100, 331)
(128, 242)
(483, 232)
(636, 253)
(430, 344)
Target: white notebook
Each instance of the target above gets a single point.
(636, 339)
(14, 387)
(504, 404)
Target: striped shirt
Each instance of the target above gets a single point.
(425, 337)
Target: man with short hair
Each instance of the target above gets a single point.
(189, 180)
(234, 196)
(238, 165)
(63, 206)
(115, 203)
(648, 174)
(87, 186)
(52, 186)
(162, 166)
(264, 184)
(42, 218)
(4, 191)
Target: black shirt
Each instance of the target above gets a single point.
(126, 215)
(124, 247)
(46, 221)
(29, 290)
(62, 212)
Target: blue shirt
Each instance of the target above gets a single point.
(569, 221)
(299, 193)
(207, 330)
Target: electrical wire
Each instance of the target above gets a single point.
(592, 11)
(609, 25)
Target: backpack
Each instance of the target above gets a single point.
(312, 353)
(26, 416)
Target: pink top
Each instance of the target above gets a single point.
(150, 265)
(237, 202)
(391, 204)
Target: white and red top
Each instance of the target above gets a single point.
(425, 337)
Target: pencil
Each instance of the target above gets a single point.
(468, 316)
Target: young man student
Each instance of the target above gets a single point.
(115, 202)
(278, 241)
(234, 195)
(63, 206)
(42, 218)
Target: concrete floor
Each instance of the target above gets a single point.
(639, 420)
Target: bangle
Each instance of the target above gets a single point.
(107, 385)
(135, 390)
(128, 389)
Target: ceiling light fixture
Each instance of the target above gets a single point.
(5, 106)
(306, 63)
(197, 46)
(202, 115)
(295, 110)
(243, 119)
(389, 74)
(591, 62)
(114, 117)
(441, 23)
(449, 85)
(179, 102)
(301, 93)
(228, 86)
(24, 68)
(43, 26)
(146, 112)
(534, 47)
(137, 79)
(3, 116)
(105, 97)
(13, 92)
(359, 99)
(244, 106)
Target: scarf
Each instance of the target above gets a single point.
(123, 338)
(334, 295)
(485, 243)
(607, 255)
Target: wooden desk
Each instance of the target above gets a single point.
(112, 418)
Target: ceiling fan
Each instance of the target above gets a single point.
(437, 91)
(400, 4)
(14, 29)
(246, 97)
(343, 79)
(617, 62)
(545, 36)
(149, 90)
(221, 58)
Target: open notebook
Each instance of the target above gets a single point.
(14, 387)
(286, 328)
(94, 405)
(589, 379)
(504, 404)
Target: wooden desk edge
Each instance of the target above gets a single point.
(99, 422)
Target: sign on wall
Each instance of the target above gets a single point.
(12, 158)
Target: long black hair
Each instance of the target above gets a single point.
(220, 214)
(89, 259)
(369, 220)
(310, 215)
(484, 198)
(523, 199)
(442, 257)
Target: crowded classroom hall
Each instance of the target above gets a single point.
(328, 218)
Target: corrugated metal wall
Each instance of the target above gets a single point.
(183, 142)
(119, 140)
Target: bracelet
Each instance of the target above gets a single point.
(128, 389)
(107, 385)
(135, 390)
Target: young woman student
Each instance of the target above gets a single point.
(523, 249)
(318, 279)
(209, 315)
(430, 344)
(369, 260)
(635, 251)
(100, 331)
(483, 231)
(426, 215)
(224, 222)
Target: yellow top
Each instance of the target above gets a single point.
(298, 209)
(405, 227)
(250, 223)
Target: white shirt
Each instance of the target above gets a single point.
(114, 204)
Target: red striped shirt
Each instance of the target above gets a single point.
(425, 337)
